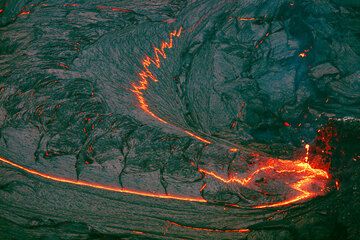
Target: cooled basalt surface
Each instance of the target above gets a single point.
(179, 119)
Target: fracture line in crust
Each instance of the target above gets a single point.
(100, 186)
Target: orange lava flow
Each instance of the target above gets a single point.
(241, 230)
(233, 150)
(138, 232)
(142, 85)
(308, 177)
(305, 175)
(100, 186)
(197, 137)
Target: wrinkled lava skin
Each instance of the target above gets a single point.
(175, 119)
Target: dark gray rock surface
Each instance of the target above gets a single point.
(67, 109)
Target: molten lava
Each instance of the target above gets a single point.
(298, 175)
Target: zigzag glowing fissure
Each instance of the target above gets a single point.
(142, 85)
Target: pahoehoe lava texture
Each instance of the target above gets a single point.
(257, 79)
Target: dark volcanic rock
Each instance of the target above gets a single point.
(262, 76)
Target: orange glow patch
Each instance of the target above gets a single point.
(63, 65)
(101, 186)
(203, 187)
(286, 124)
(307, 147)
(246, 18)
(337, 184)
(197, 137)
(24, 13)
(116, 9)
(302, 55)
(71, 5)
(242, 230)
(233, 150)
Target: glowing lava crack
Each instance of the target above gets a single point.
(139, 88)
(100, 186)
